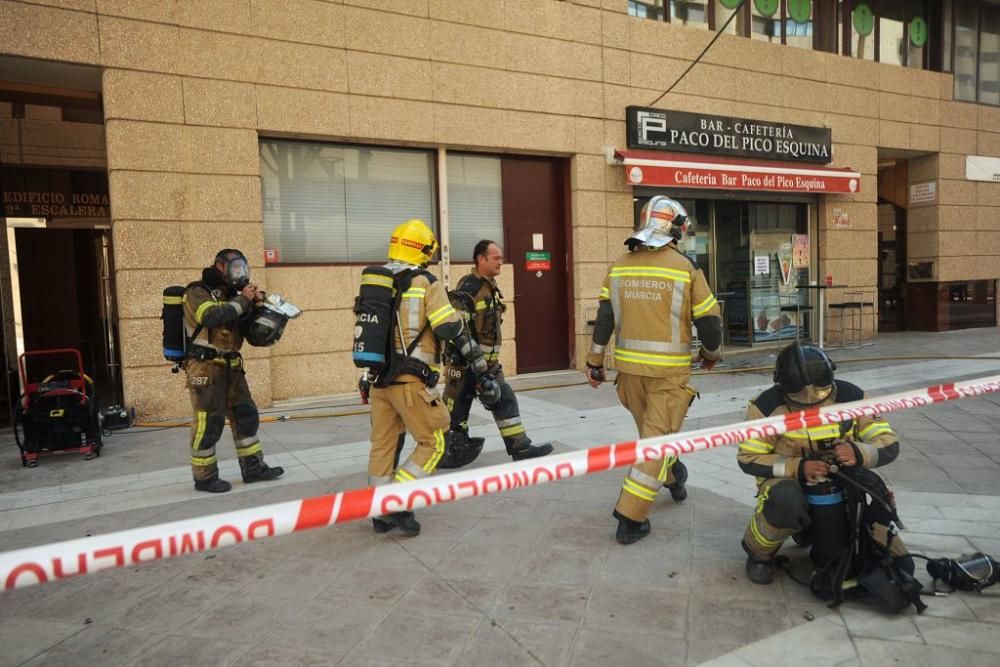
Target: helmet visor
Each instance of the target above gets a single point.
(810, 395)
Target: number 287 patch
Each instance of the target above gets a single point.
(198, 381)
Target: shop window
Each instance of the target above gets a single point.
(892, 32)
(475, 203)
(971, 42)
(947, 12)
(765, 21)
(861, 25)
(724, 9)
(327, 203)
(971, 304)
(895, 32)
(966, 50)
(692, 13)
(989, 55)
(799, 23)
(646, 9)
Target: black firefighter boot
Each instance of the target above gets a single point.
(759, 570)
(212, 485)
(255, 470)
(402, 520)
(677, 490)
(521, 448)
(630, 531)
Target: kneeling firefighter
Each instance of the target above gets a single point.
(221, 311)
(808, 481)
(401, 317)
(480, 301)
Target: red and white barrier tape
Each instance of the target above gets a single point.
(35, 565)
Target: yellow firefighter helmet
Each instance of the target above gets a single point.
(413, 242)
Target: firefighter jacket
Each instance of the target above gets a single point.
(781, 456)
(207, 306)
(425, 314)
(486, 316)
(650, 299)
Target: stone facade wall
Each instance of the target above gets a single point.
(190, 86)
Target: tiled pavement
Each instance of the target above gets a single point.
(529, 577)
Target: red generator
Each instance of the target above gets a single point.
(59, 414)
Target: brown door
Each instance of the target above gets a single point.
(534, 221)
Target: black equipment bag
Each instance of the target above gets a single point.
(879, 574)
(60, 417)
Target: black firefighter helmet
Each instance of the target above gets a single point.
(460, 450)
(805, 374)
(266, 322)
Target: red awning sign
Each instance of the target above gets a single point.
(720, 173)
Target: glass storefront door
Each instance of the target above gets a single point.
(754, 254)
(763, 256)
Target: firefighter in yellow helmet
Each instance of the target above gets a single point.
(650, 298)
(405, 395)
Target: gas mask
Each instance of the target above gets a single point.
(234, 268)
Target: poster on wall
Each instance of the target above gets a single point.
(785, 262)
(841, 219)
(762, 264)
(800, 251)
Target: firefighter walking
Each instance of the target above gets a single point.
(404, 393)
(480, 301)
(649, 300)
(216, 380)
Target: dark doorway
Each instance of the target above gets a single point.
(892, 267)
(534, 221)
(63, 275)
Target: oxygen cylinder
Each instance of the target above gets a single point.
(829, 531)
(173, 324)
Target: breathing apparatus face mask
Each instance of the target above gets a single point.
(234, 269)
(969, 572)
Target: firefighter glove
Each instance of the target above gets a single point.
(488, 391)
(596, 375)
(364, 387)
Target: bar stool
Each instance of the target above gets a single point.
(853, 316)
(798, 308)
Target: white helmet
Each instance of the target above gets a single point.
(662, 221)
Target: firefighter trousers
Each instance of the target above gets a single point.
(783, 509)
(460, 391)
(658, 405)
(405, 405)
(220, 391)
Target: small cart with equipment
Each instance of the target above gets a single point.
(59, 414)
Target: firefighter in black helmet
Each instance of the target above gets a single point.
(795, 492)
(216, 380)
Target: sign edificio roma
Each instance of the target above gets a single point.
(53, 193)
